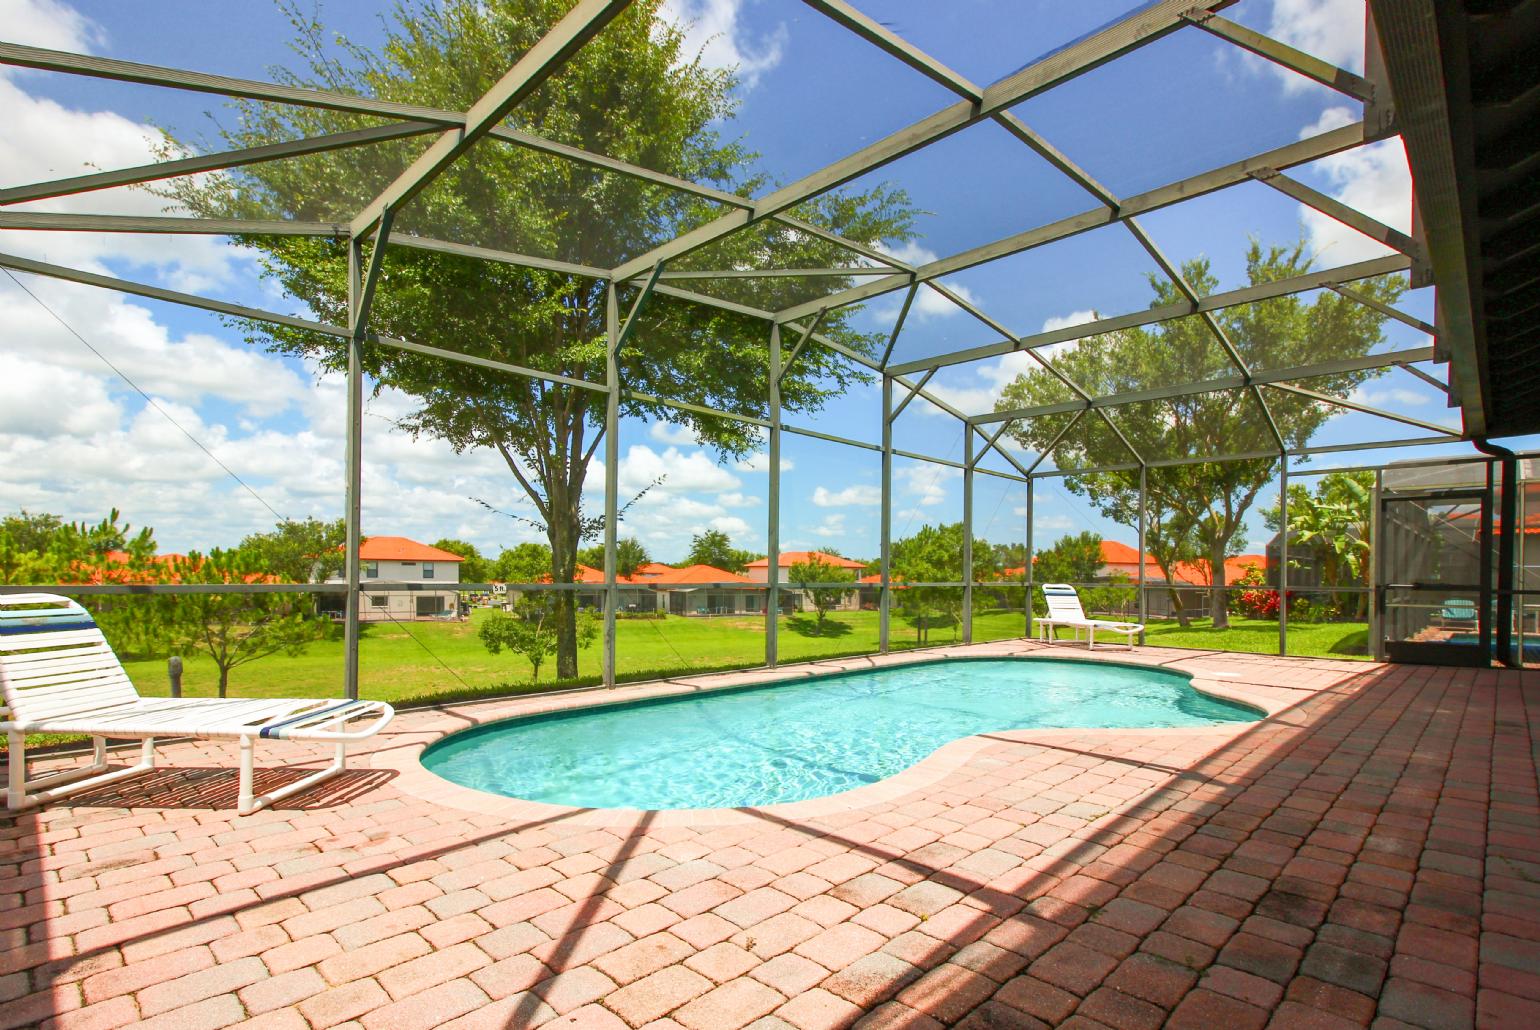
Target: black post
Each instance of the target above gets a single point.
(1507, 531)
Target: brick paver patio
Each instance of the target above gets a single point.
(1368, 854)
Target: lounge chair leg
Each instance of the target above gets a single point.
(16, 790)
(246, 804)
(250, 803)
(25, 793)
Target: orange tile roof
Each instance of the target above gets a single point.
(701, 574)
(399, 548)
(1114, 552)
(789, 558)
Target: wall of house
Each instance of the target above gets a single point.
(412, 572)
(404, 605)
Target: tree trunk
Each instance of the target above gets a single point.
(1219, 607)
(1182, 618)
(224, 679)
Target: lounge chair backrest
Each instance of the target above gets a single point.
(1063, 602)
(54, 661)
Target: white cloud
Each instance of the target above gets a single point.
(669, 433)
(733, 526)
(832, 526)
(1389, 397)
(855, 494)
(49, 24)
(1332, 30)
(975, 390)
(712, 30)
(680, 472)
(928, 303)
(927, 482)
(51, 140)
(1373, 179)
(737, 499)
(188, 368)
(759, 461)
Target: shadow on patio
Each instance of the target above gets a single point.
(1370, 852)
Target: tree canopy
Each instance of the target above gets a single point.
(476, 568)
(308, 551)
(633, 93)
(1197, 511)
(715, 548)
(815, 571)
(630, 555)
(1074, 558)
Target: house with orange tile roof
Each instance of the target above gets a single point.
(404, 581)
(688, 590)
(759, 572)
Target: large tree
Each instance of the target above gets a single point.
(299, 551)
(824, 598)
(715, 548)
(1200, 509)
(630, 555)
(633, 93)
(476, 568)
(934, 554)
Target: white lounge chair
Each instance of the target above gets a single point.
(58, 674)
(1064, 610)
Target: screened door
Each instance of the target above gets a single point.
(1434, 585)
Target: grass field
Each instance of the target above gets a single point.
(426, 661)
(403, 662)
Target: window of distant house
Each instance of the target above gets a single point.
(371, 570)
(427, 570)
(379, 601)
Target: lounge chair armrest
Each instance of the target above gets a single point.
(324, 724)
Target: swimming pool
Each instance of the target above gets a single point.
(792, 741)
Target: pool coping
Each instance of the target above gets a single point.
(406, 745)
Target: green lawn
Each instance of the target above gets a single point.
(426, 661)
(401, 662)
(1309, 639)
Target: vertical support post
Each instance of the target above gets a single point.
(885, 594)
(1144, 608)
(1283, 555)
(773, 492)
(1379, 112)
(1484, 606)
(1508, 529)
(611, 474)
(967, 534)
(1031, 490)
(1376, 567)
(354, 462)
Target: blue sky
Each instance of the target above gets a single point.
(1182, 105)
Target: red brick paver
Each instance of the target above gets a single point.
(1369, 853)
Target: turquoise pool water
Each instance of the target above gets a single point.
(792, 741)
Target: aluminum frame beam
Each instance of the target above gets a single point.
(107, 282)
(539, 63)
(1303, 151)
(1285, 56)
(1367, 409)
(1351, 217)
(158, 170)
(1130, 33)
(1264, 377)
(1150, 316)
